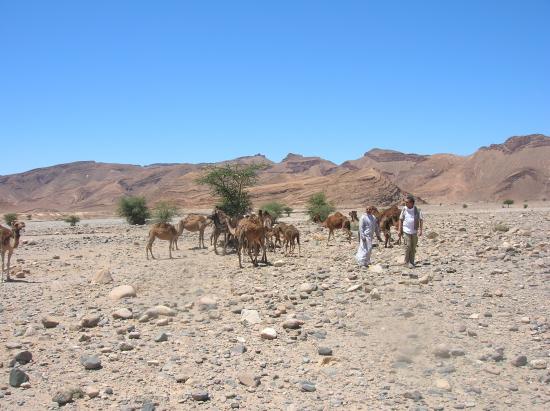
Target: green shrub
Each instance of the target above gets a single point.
(274, 208)
(29, 216)
(288, 210)
(464, 205)
(525, 206)
(164, 212)
(10, 218)
(508, 202)
(134, 209)
(501, 227)
(318, 205)
(72, 220)
(229, 183)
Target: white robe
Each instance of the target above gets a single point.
(367, 227)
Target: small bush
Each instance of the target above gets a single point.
(164, 212)
(501, 227)
(274, 208)
(508, 202)
(525, 206)
(10, 218)
(29, 216)
(318, 205)
(134, 209)
(287, 210)
(464, 205)
(72, 220)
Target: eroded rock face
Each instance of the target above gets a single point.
(471, 317)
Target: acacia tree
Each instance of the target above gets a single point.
(229, 182)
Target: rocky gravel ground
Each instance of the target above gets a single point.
(90, 323)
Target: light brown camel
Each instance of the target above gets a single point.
(336, 221)
(278, 233)
(223, 224)
(250, 233)
(9, 241)
(291, 237)
(162, 231)
(193, 223)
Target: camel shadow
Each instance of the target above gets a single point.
(14, 280)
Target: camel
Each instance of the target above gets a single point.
(291, 235)
(353, 216)
(193, 223)
(222, 225)
(387, 219)
(278, 232)
(250, 233)
(335, 221)
(9, 241)
(163, 231)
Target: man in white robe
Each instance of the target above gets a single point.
(368, 226)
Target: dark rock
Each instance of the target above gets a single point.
(90, 362)
(200, 395)
(23, 357)
(18, 377)
(324, 351)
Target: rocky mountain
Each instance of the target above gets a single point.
(518, 169)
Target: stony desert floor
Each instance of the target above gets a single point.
(468, 328)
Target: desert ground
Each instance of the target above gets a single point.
(467, 329)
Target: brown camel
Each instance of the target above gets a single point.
(291, 236)
(194, 223)
(250, 233)
(9, 241)
(223, 224)
(335, 221)
(162, 231)
(387, 219)
(278, 232)
(353, 216)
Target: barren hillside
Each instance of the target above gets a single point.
(518, 169)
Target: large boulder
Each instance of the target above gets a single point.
(122, 291)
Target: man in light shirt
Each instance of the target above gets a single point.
(368, 226)
(410, 225)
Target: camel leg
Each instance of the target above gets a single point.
(10, 252)
(149, 248)
(2, 272)
(329, 233)
(299, 251)
(170, 245)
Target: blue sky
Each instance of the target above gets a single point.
(198, 81)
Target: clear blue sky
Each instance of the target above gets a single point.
(199, 81)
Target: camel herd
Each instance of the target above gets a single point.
(255, 234)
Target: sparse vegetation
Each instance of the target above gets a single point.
(134, 209)
(464, 205)
(501, 227)
(29, 216)
(72, 220)
(508, 202)
(164, 212)
(288, 210)
(525, 206)
(10, 218)
(274, 208)
(318, 205)
(229, 182)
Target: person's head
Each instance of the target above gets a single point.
(369, 209)
(409, 201)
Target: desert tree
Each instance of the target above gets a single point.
(134, 209)
(229, 183)
(318, 206)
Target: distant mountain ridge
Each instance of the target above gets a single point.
(518, 169)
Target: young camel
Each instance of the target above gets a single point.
(193, 223)
(162, 231)
(9, 241)
(291, 236)
(250, 234)
(335, 221)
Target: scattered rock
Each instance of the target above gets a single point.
(292, 324)
(519, 361)
(90, 321)
(161, 337)
(24, 357)
(49, 322)
(248, 379)
(18, 377)
(442, 351)
(90, 362)
(268, 334)
(123, 314)
(206, 303)
(122, 291)
(102, 277)
(324, 351)
(250, 316)
(200, 395)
